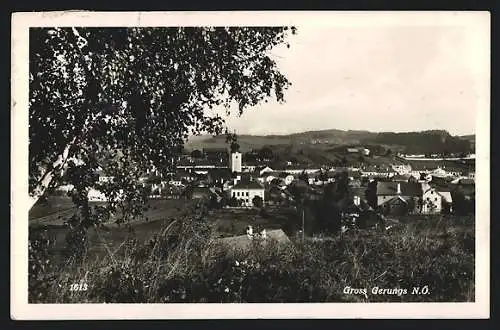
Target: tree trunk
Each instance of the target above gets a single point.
(49, 175)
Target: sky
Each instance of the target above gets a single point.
(377, 77)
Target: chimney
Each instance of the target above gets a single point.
(399, 189)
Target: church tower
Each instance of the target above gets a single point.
(235, 162)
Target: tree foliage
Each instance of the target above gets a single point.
(125, 99)
(266, 153)
(257, 201)
(196, 154)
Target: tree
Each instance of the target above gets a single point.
(235, 147)
(323, 176)
(275, 181)
(266, 153)
(343, 161)
(234, 202)
(196, 154)
(257, 201)
(341, 186)
(371, 194)
(127, 98)
(304, 176)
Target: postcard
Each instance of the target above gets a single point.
(177, 165)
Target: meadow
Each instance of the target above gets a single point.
(172, 259)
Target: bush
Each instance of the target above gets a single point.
(180, 264)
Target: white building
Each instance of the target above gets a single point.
(432, 201)
(289, 179)
(402, 169)
(235, 162)
(95, 195)
(266, 169)
(246, 191)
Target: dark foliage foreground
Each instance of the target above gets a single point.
(183, 264)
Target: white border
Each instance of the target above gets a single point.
(21, 310)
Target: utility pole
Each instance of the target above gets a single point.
(303, 223)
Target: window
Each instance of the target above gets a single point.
(234, 194)
(435, 199)
(247, 193)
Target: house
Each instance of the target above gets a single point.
(242, 245)
(219, 176)
(289, 179)
(440, 172)
(268, 178)
(216, 155)
(402, 169)
(441, 181)
(422, 168)
(396, 205)
(102, 176)
(95, 195)
(401, 178)
(354, 183)
(372, 174)
(188, 176)
(397, 197)
(250, 167)
(265, 170)
(432, 201)
(246, 190)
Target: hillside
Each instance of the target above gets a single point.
(472, 140)
(435, 141)
(411, 142)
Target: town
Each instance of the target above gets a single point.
(398, 185)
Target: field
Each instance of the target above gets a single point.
(50, 218)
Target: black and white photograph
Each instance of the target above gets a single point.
(260, 160)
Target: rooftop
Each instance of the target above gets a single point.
(248, 185)
(244, 243)
(391, 188)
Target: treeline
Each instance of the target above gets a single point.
(425, 142)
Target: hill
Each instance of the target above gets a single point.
(472, 140)
(432, 141)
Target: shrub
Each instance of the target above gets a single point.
(181, 264)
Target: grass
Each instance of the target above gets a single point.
(225, 222)
(173, 260)
(59, 209)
